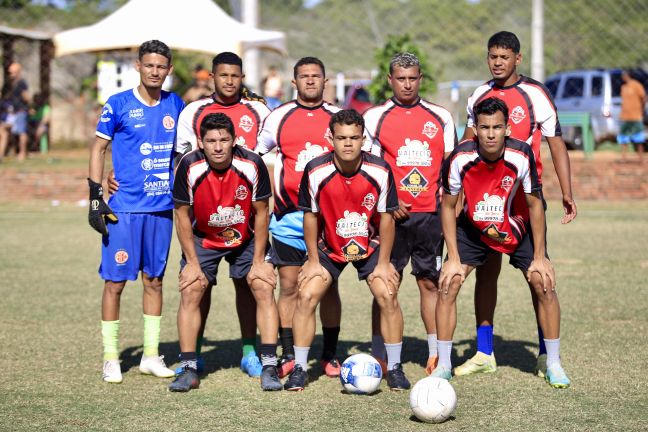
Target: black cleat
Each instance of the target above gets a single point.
(297, 380)
(270, 378)
(396, 378)
(187, 380)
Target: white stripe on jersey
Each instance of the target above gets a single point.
(457, 166)
(448, 124)
(315, 179)
(185, 136)
(381, 176)
(521, 162)
(249, 169)
(194, 172)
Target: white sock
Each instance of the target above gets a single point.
(553, 351)
(378, 347)
(301, 356)
(393, 354)
(444, 349)
(432, 344)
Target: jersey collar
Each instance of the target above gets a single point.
(139, 98)
(508, 87)
(393, 99)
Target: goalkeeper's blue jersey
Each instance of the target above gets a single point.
(142, 137)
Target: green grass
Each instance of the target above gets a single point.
(51, 347)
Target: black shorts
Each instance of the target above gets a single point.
(421, 239)
(473, 251)
(239, 259)
(364, 267)
(286, 255)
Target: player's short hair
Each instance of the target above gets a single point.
(154, 47)
(227, 57)
(216, 121)
(346, 117)
(490, 106)
(506, 40)
(307, 61)
(405, 60)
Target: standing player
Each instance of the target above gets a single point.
(347, 196)
(221, 203)
(247, 116)
(490, 170)
(414, 137)
(532, 114)
(300, 130)
(141, 124)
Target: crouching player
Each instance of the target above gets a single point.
(347, 197)
(491, 170)
(221, 196)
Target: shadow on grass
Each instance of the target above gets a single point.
(518, 354)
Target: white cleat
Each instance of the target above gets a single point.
(112, 372)
(154, 365)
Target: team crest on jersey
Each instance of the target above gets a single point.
(507, 183)
(168, 122)
(246, 123)
(492, 232)
(369, 201)
(230, 236)
(240, 141)
(414, 153)
(107, 111)
(491, 209)
(414, 183)
(121, 256)
(146, 149)
(227, 216)
(147, 164)
(352, 225)
(352, 251)
(310, 152)
(517, 114)
(430, 129)
(241, 193)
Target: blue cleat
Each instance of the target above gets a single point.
(251, 365)
(556, 377)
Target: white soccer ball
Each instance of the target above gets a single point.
(360, 374)
(433, 400)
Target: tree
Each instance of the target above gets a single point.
(379, 88)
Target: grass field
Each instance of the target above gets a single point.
(51, 345)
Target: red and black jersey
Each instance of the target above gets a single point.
(223, 216)
(413, 140)
(490, 188)
(532, 112)
(300, 135)
(246, 115)
(348, 207)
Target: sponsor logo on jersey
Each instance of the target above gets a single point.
(227, 216)
(430, 129)
(241, 193)
(369, 201)
(352, 225)
(136, 113)
(168, 122)
(507, 183)
(147, 164)
(310, 152)
(492, 232)
(517, 114)
(121, 256)
(240, 141)
(246, 123)
(352, 251)
(157, 163)
(146, 149)
(491, 209)
(414, 153)
(106, 113)
(414, 183)
(156, 184)
(230, 236)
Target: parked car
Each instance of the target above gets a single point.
(357, 97)
(596, 91)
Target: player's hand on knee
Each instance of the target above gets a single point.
(99, 211)
(450, 270)
(191, 273)
(403, 211)
(308, 271)
(263, 271)
(388, 275)
(113, 184)
(545, 270)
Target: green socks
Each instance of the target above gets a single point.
(249, 346)
(151, 335)
(110, 336)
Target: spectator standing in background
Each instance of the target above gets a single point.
(273, 88)
(16, 121)
(633, 100)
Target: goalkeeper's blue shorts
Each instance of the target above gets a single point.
(137, 242)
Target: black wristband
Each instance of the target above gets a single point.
(96, 190)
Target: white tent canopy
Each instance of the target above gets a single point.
(194, 25)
